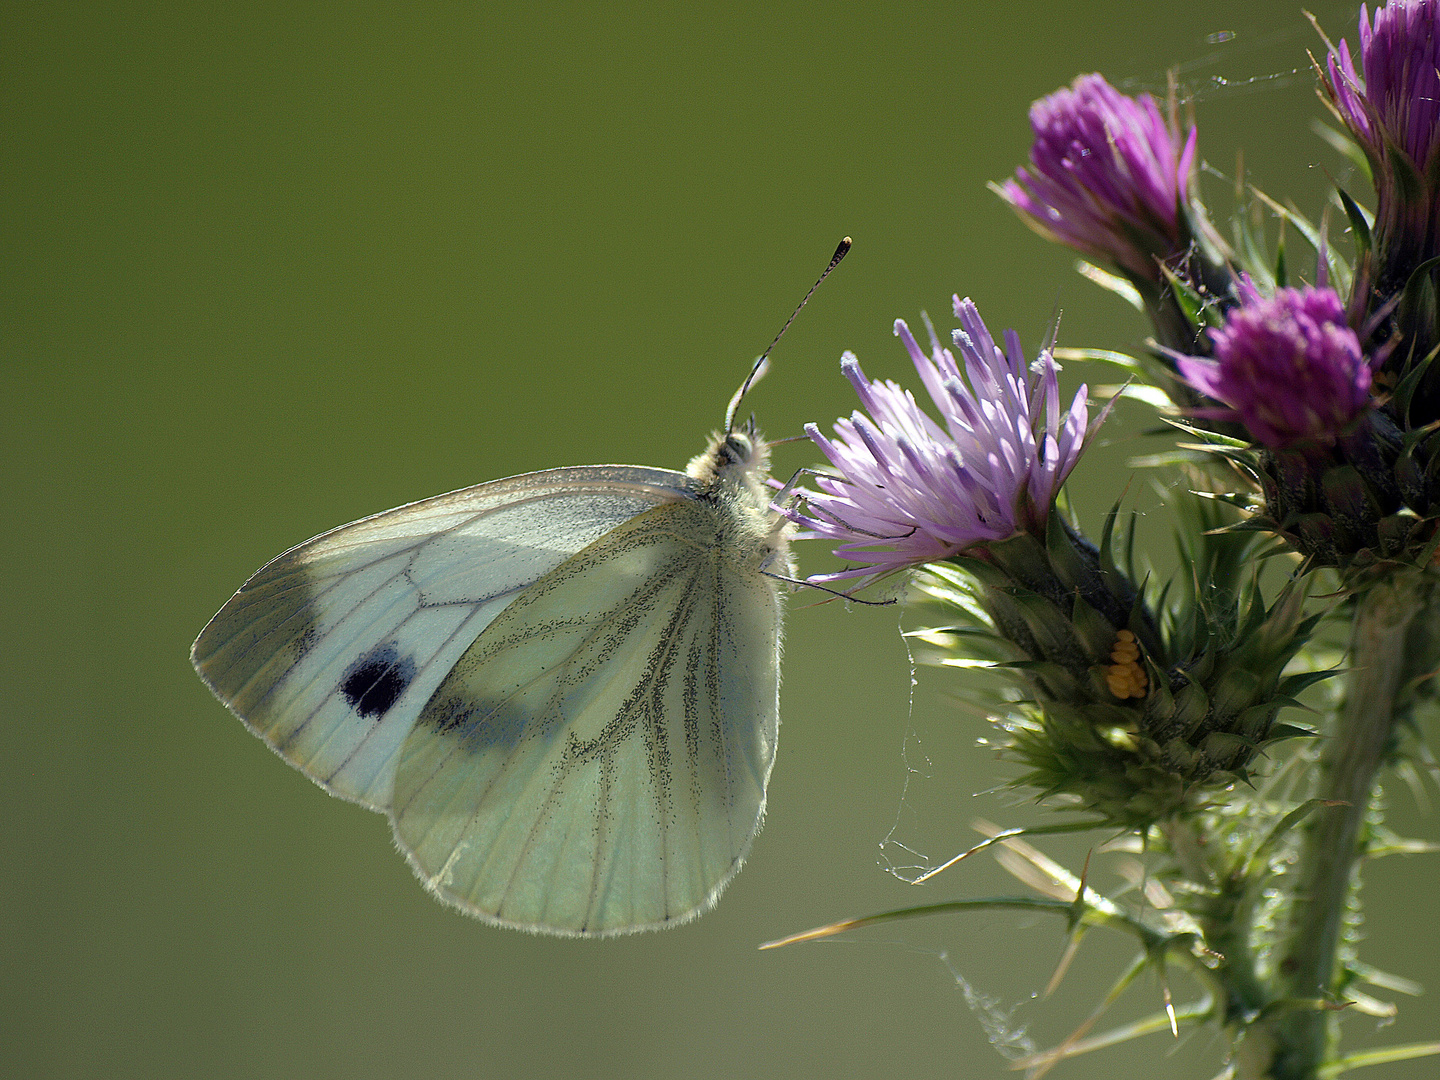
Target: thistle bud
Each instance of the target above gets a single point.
(1110, 176)
(1391, 106)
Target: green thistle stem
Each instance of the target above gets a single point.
(1187, 851)
(1332, 842)
(1226, 921)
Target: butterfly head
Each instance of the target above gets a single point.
(739, 448)
(733, 476)
(740, 457)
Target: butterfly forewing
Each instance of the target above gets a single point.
(596, 761)
(331, 650)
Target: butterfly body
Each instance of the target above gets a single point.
(561, 687)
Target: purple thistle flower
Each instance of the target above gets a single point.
(1288, 367)
(1398, 100)
(911, 491)
(1107, 177)
(1393, 112)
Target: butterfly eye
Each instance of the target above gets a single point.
(738, 448)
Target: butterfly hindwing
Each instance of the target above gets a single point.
(596, 761)
(331, 650)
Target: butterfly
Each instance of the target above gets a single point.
(562, 688)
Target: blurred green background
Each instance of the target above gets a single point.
(271, 267)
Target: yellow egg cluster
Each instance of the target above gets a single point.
(1125, 677)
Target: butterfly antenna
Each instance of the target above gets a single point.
(760, 365)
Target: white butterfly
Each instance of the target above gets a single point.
(561, 687)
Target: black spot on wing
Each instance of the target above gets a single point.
(479, 725)
(375, 682)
